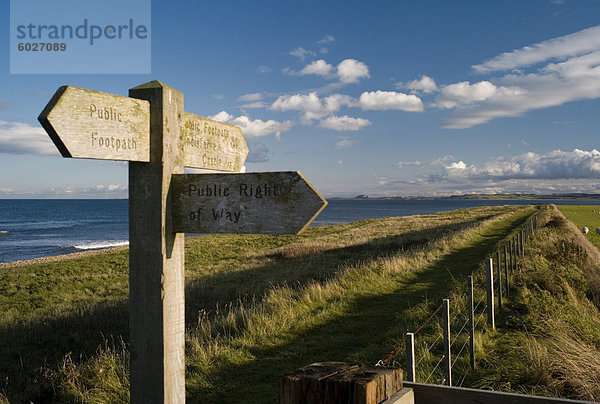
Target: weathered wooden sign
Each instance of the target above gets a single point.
(212, 145)
(271, 202)
(151, 130)
(93, 125)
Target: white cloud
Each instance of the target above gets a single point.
(250, 97)
(402, 164)
(344, 123)
(425, 84)
(324, 50)
(222, 116)
(417, 163)
(302, 53)
(571, 73)
(258, 127)
(110, 191)
(382, 180)
(344, 142)
(334, 102)
(326, 39)
(22, 138)
(256, 104)
(311, 105)
(464, 92)
(318, 67)
(298, 102)
(557, 164)
(351, 70)
(111, 187)
(575, 79)
(254, 127)
(568, 46)
(347, 71)
(386, 100)
(264, 69)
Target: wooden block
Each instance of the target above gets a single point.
(363, 385)
(307, 384)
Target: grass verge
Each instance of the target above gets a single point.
(548, 335)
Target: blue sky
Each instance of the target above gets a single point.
(383, 98)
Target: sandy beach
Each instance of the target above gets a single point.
(58, 258)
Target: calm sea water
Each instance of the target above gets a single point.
(39, 228)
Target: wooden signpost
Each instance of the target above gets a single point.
(151, 130)
(213, 145)
(276, 202)
(93, 125)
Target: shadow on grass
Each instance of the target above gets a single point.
(30, 349)
(365, 335)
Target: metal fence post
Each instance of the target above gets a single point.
(513, 254)
(410, 357)
(471, 324)
(506, 269)
(499, 269)
(447, 351)
(489, 277)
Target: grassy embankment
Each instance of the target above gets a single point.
(548, 337)
(256, 306)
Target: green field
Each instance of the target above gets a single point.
(584, 215)
(259, 306)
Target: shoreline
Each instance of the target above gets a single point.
(63, 257)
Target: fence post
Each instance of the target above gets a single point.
(531, 228)
(447, 351)
(522, 244)
(513, 253)
(517, 253)
(471, 324)
(499, 269)
(510, 255)
(410, 357)
(489, 277)
(506, 269)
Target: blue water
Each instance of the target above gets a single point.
(40, 227)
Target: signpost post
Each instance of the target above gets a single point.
(151, 130)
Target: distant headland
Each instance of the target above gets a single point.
(490, 196)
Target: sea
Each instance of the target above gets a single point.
(34, 228)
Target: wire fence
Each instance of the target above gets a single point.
(455, 350)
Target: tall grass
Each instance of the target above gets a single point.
(256, 306)
(548, 339)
